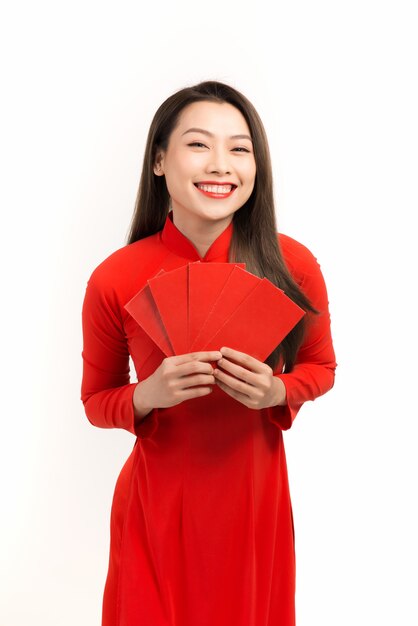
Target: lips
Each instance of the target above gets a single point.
(218, 191)
(205, 184)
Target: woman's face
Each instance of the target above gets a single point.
(209, 163)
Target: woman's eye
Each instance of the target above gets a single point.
(200, 144)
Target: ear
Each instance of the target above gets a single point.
(159, 164)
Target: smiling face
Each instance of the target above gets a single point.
(209, 163)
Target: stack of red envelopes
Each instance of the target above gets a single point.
(204, 306)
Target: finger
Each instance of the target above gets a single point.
(240, 372)
(243, 358)
(241, 397)
(205, 356)
(192, 367)
(201, 379)
(233, 383)
(195, 392)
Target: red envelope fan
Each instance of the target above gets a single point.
(203, 306)
(206, 281)
(143, 309)
(260, 322)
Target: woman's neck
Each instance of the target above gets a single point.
(201, 233)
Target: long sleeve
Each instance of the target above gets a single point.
(106, 390)
(314, 370)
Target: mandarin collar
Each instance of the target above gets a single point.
(178, 243)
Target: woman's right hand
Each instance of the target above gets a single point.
(174, 381)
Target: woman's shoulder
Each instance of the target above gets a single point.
(299, 259)
(127, 263)
(305, 270)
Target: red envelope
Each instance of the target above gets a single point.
(144, 310)
(236, 288)
(259, 323)
(206, 281)
(170, 292)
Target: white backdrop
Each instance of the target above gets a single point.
(335, 84)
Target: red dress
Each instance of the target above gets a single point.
(201, 523)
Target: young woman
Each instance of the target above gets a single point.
(201, 523)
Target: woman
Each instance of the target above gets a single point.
(201, 523)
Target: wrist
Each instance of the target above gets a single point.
(280, 395)
(141, 407)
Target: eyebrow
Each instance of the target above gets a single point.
(206, 132)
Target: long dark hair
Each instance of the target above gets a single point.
(254, 239)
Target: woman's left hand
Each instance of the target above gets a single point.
(252, 382)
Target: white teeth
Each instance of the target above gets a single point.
(215, 188)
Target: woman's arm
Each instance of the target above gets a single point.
(106, 390)
(314, 371)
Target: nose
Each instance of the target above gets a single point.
(219, 162)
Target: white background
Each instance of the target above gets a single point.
(335, 84)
